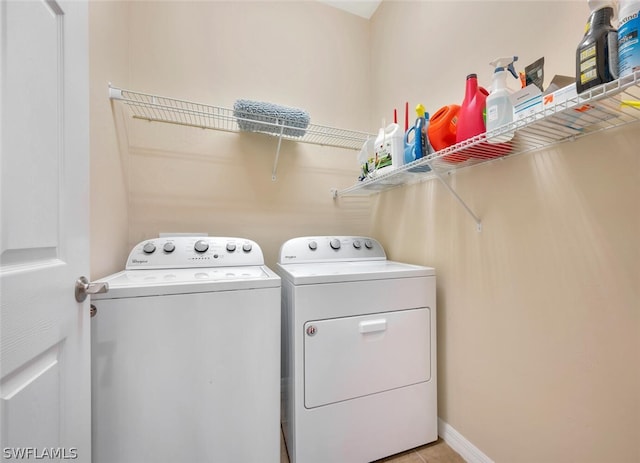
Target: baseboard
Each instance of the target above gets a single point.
(457, 442)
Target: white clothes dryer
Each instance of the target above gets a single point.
(358, 352)
(186, 355)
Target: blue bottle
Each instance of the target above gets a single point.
(420, 146)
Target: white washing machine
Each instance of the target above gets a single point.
(358, 352)
(186, 355)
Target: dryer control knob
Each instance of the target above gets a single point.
(201, 246)
(357, 244)
(335, 244)
(149, 248)
(246, 247)
(231, 247)
(368, 244)
(169, 247)
(313, 245)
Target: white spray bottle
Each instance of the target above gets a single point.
(499, 108)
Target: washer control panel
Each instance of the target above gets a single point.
(194, 251)
(330, 249)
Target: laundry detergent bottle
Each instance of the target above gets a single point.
(499, 106)
(471, 115)
(419, 147)
(388, 149)
(597, 53)
(471, 122)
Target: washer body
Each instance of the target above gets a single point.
(186, 355)
(358, 353)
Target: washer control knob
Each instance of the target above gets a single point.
(313, 245)
(357, 244)
(201, 246)
(149, 248)
(246, 247)
(169, 247)
(335, 244)
(368, 244)
(231, 247)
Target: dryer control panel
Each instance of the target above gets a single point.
(330, 249)
(193, 252)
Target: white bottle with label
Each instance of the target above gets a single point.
(628, 40)
(389, 149)
(499, 107)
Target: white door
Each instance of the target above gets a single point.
(44, 343)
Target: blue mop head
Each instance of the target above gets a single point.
(248, 111)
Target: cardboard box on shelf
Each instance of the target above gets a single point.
(526, 102)
(561, 90)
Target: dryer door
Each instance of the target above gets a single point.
(351, 357)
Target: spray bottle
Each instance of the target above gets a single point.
(597, 53)
(499, 107)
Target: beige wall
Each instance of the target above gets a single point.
(538, 314)
(108, 61)
(180, 179)
(539, 326)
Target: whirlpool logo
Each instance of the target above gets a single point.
(137, 261)
(290, 257)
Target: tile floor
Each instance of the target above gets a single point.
(436, 452)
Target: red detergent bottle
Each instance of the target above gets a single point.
(471, 122)
(471, 115)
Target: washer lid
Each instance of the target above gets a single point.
(336, 272)
(136, 283)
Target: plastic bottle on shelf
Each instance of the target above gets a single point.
(471, 115)
(628, 40)
(420, 145)
(421, 124)
(499, 106)
(597, 53)
(471, 122)
(388, 149)
(471, 118)
(442, 127)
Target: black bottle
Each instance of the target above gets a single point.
(597, 53)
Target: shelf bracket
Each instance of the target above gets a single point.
(275, 162)
(458, 198)
(114, 92)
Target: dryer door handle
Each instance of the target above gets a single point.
(372, 326)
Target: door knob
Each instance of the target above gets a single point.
(83, 287)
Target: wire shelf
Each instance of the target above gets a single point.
(610, 105)
(174, 111)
